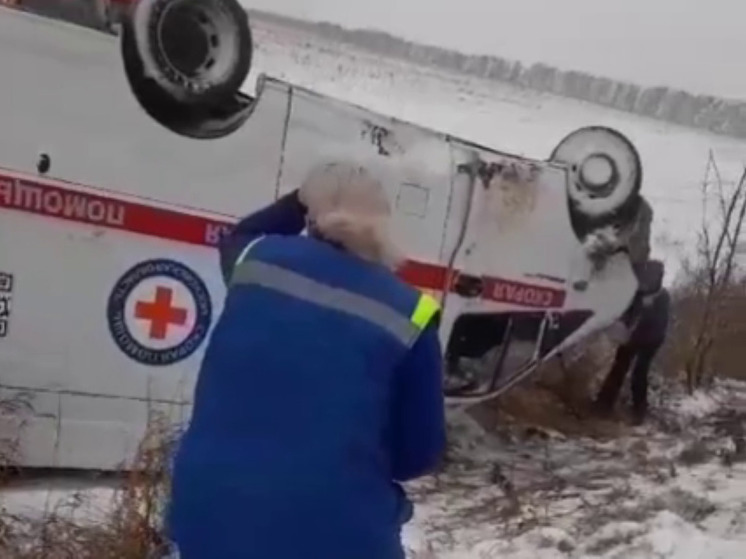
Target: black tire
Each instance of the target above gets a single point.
(198, 52)
(605, 173)
(210, 115)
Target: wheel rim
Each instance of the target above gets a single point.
(605, 170)
(196, 43)
(599, 175)
(187, 57)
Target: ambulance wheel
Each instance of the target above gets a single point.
(185, 61)
(197, 51)
(605, 172)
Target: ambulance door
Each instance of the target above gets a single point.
(510, 241)
(412, 162)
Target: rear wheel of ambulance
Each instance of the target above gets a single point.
(186, 60)
(605, 174)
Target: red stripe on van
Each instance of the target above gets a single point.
(100, 208)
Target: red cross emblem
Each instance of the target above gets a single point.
(161, 313)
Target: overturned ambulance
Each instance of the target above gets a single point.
(527, 257)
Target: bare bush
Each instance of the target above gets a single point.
(130, 529)
(13, 413)
(709, 303)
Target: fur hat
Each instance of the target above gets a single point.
(347, 205)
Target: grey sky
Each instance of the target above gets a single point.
(698, 45)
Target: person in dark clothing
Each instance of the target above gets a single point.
(648, 325)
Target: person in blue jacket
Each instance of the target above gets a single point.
(320, 389)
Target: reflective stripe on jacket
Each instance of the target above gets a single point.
(406, 329)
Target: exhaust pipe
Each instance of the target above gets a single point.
(185, 62)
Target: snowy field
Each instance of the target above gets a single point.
(673, 490)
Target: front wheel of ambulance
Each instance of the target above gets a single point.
(605, 173)
(186, 60)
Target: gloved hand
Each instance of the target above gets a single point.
(601, 244)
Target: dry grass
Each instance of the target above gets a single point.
(726, 352)
(130, 529)
(12, 413)
(711, 296)
(558, 397)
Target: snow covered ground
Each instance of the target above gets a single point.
(674, 490)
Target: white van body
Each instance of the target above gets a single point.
(108, 293)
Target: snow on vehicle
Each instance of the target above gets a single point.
(106, 303)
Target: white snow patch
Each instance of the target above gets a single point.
(699, 404)
(668, 536)
(562, 498)
(85, 502)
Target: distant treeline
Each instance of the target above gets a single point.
(723, 116)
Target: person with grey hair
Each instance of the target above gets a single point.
(647, 322)
(320, 389)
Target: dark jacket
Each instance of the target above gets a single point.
(652, 305)
(306, 414)
(652, 325)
